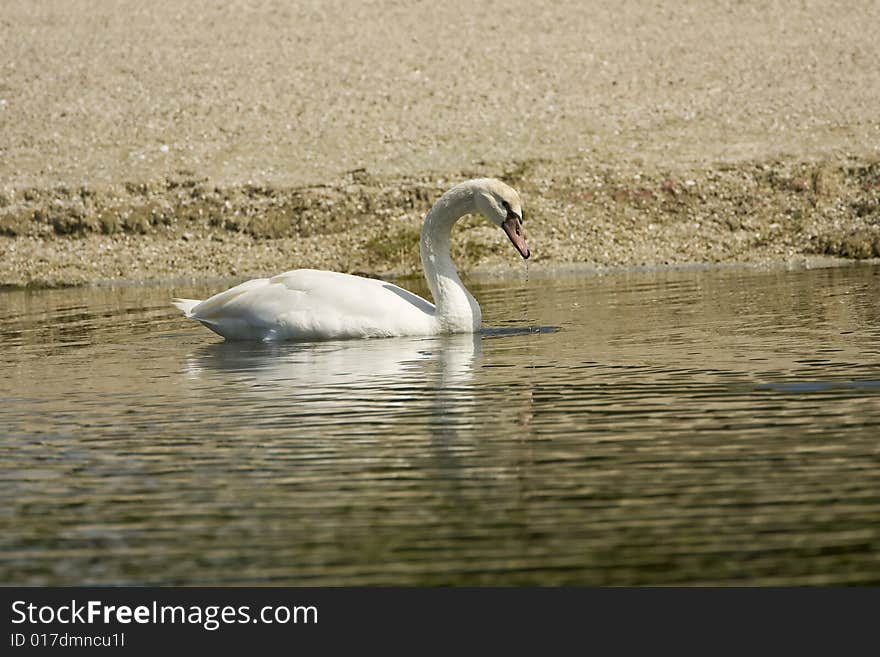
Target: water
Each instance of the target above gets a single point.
(679, 427)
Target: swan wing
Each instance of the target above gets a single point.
(307, 304)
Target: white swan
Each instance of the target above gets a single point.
(305, 304)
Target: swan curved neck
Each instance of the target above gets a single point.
(456, 309)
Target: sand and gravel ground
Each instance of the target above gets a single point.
(177, 139)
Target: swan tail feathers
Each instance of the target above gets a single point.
(186, 305)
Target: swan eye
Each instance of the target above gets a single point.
(509, 211)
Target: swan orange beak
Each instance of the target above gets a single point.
(514, 229)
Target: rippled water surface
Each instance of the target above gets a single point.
(678, 427)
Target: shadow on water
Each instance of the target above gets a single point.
(819, 386)
(518, 330)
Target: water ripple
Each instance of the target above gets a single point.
(650, 428)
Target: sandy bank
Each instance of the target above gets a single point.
(142, 141)
(575, 213)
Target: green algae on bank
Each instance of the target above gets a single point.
(576, 212)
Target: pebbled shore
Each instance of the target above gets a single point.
(166, 141)
(602, 217)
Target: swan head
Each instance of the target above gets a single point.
(501, 205)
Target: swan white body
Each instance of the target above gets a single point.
(306, 304)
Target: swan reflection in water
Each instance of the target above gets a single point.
(375, 379)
